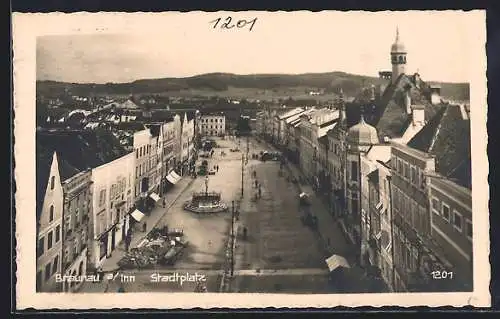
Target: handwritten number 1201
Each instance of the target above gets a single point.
(228, 24)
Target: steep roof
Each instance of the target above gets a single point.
(388, 113)
(130, 126)
(128, 104)
(328, 123)
(447, 137)
(76, 151)
(154, 129)
(79, 150)
(162, 115)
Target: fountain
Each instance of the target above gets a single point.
(205, 202)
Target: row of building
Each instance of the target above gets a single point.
(94, 184)
(394, 168)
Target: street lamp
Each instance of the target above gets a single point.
(242, 172)
(232, 238)
(206, 186)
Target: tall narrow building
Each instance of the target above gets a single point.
(398, 58)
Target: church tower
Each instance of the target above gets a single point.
(398, 58)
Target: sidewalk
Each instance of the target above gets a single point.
(111, 263)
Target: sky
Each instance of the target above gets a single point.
(438, 45)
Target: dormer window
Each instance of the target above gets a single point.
(52, 182)
(51, 213)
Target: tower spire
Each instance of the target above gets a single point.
(397, 33)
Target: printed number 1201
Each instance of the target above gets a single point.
(228, 24)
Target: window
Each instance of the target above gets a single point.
(396, 199)
(394, 162)
(77, 216)
(468, 228)
(414, 214)
(68, 222)
(55, 265)
(400, 167)
(445, 211)
(102, 197)
(51, 213)
(58, 233)
(136, 153)
(47, 271)
(413, 175)
(354, 171)
(354, 206)
(407, 207)
(41, 246)
(436, 206)
(52, 182)
(49, 240)
(457, 220)
(424, 220)
(407, 171)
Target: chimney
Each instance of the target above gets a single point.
(418, 115)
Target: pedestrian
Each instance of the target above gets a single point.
(260, 192)
(217, 168)
(127, 243)
(164, 203)
(144, 227)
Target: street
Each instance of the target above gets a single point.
(280, 253)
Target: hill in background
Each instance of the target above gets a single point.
(260, 86)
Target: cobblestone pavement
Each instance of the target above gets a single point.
(207, 234)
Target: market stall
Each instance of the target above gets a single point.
(161, 246)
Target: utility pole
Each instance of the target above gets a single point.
(248, 146)
(242, 172)
(232, 239)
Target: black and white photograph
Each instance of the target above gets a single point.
(279, 158)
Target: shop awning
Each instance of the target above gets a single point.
(336, 261)
(137, 215)
(173, 178)
(154, 197)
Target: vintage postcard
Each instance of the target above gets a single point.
(251, 159)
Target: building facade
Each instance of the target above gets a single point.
(113, 199)
(313, 126)
(77, 226)
(49, 231)
(411, 216)
(187, 150)
(169, 159)
(360, 138)
(142, 149)
(451, 227)
(213, 124)
(380, 217)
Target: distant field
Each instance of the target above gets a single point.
(295, 93)
(254, 93)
